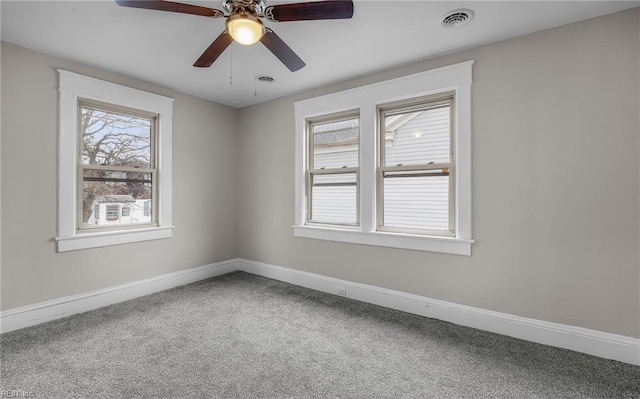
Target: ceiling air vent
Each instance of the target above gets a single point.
(265, 79)
(457, 18)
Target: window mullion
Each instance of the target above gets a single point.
(367, 175)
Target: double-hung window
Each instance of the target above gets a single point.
(416, 170)
(332, 173)
(117, 164)
(388, 164)
(114, 172)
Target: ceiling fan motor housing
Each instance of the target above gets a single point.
(251, 6)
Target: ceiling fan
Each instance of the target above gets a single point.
(244, 23)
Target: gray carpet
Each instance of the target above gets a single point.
(243, 336)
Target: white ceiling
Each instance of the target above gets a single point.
(161, 47)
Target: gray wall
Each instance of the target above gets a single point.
(555, 174)
(204, 206)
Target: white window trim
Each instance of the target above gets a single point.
(72, 87)
(456, 78)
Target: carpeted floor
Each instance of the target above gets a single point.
(243, 336)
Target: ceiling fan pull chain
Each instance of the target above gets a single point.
(231, 67)
(255, 71)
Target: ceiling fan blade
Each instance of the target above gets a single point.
(280, 49)
(214, 50)
(172, 6)
(329, 9)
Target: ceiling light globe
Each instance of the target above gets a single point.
(245, 28)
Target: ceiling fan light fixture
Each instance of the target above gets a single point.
(245, 28)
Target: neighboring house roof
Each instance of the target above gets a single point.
(395, 122)
(336, 137)
(346, 132)
(336, 133)
(115, 198)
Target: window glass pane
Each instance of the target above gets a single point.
(113, 211)
(111, 191)
(417, 137)
(417, 202)
(110, 138)
(335, 144)
(334, 198)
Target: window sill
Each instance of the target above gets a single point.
(109, 238)
(447, 245)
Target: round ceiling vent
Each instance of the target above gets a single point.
(265, 79)
(457, 18)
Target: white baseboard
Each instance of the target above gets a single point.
(592, 342)
(26, 316)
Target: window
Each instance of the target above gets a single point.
(415, 193)
(113, 212)
(388, 164)
(114, 153)
(332, 191)
(126, 211)
(117, 161)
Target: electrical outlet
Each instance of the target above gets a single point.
(341, 291)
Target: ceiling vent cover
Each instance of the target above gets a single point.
(457, 18)
(265, 79)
